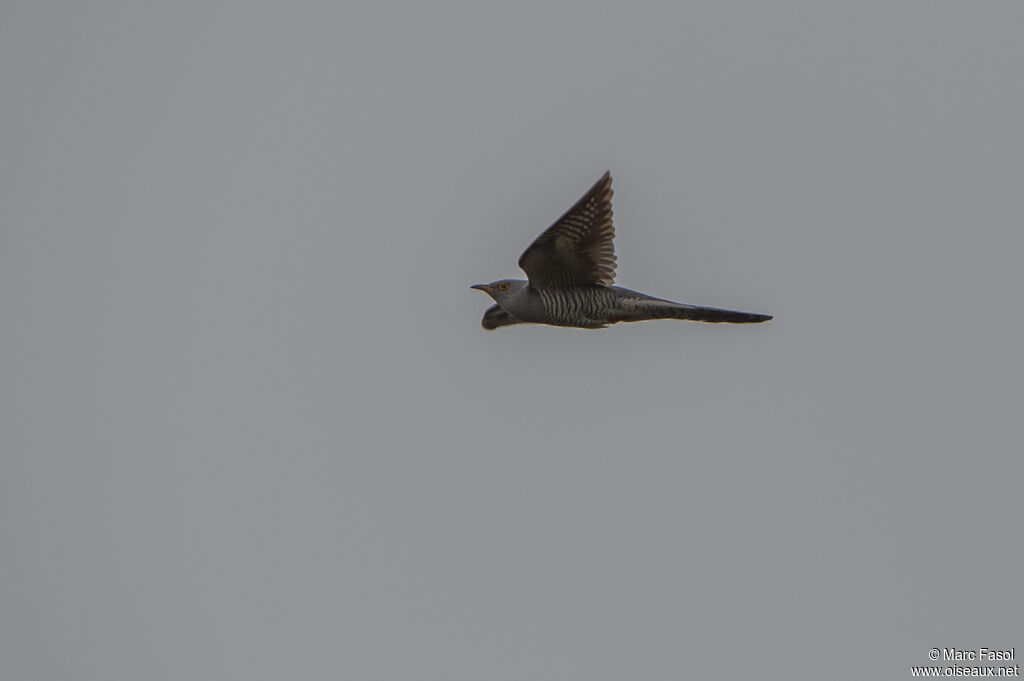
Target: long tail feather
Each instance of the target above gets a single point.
(637, 307)
(716, 315)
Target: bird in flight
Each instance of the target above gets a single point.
(571, 267)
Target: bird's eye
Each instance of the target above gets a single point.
(503, 286)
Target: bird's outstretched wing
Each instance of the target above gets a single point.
(578, 248)
(496, 316)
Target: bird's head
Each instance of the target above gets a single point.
(500, 290)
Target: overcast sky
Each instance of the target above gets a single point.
(251, 427)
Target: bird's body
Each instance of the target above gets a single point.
(594, 307)
(571, 268)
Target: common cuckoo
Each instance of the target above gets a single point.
(571, 267)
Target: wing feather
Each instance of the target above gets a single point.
(577, 248)
(496, 316)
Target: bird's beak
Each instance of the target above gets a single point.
(482, 287)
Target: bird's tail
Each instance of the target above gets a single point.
(638, 307)
(714, 315)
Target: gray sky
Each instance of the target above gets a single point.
(251, 428)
